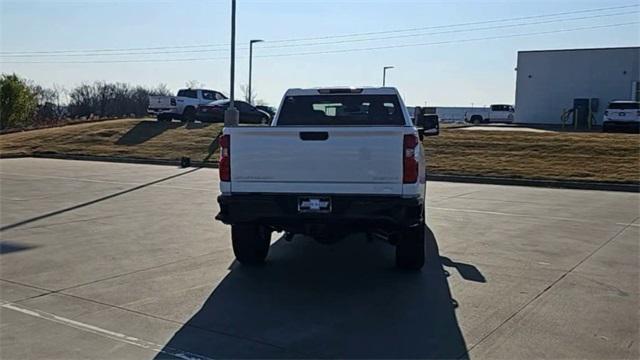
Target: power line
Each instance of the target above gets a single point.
(337, 50)
(452, 41)
(452, 31)
(341, 41)
(326, 36)
(459, 24)
(334, 42)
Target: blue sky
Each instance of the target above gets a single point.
(457, 73)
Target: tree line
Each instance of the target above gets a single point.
(24, 104)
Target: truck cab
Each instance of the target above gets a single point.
(334, 161)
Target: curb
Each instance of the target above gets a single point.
(128, 160)
(558, 184)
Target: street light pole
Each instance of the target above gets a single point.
(231, 116)
(251, 42)
(384, 74)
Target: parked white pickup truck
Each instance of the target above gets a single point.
(495, 113)
(183, 106)
(334, 161)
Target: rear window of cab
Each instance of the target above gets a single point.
(341, 110)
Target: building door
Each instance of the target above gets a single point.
(581, 113)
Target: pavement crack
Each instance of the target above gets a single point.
(95, 201)
(69, 222)
(545, 290)
(209, 330)
(134, 271)
(497, 213)
(26, 285)
(61, 291)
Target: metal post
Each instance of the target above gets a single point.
(249, 91)
(250, 61)
(384, 74)
(590, 116)
(231, 116)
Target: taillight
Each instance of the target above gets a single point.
(224, 165)
(173, 101)
(410, 164)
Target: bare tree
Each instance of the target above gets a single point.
(248, 97)
(162, 90)
(194, 84)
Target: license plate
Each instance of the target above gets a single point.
(314, 204)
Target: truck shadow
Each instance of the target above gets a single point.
(317, 301)
(146, 130)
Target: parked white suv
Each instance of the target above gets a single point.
(334, 161)
(621, 114)
(183, 106)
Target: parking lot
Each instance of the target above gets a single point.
(104, 260)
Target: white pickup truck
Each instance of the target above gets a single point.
(495, 113)
(333, 162)
(183, 106)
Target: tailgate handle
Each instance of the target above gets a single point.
(314, 135)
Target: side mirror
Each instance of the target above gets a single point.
(428, 124)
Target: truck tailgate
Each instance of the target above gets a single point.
(331, 160)
(160, 102)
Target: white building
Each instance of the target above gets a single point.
(552, 81)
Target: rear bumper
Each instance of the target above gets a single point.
(161, 111)
(622, 125)
(281, 211)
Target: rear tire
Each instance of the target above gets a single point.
(189, 114)
(410, 249)
(250, 243)
(164, 117)
(476, 119)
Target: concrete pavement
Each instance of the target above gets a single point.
(105, 260)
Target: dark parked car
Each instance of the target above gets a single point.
(268, 109)
(249, 114)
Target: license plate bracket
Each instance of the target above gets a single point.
(314, 204)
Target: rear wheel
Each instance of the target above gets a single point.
(410, 249)
(189, 114)
(250, 243)
(164, 117)
(476, 119)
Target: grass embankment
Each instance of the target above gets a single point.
(119, 138)
(557, 156)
